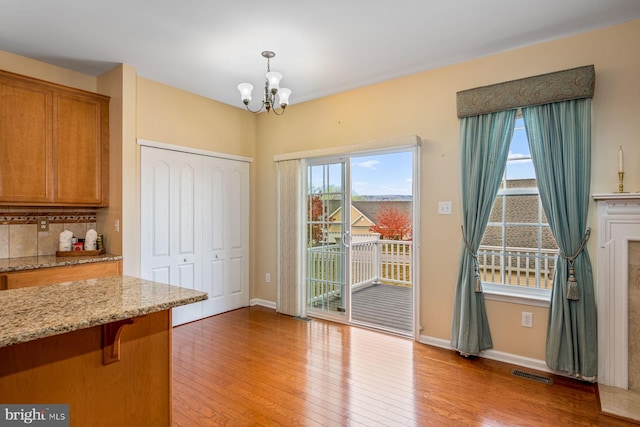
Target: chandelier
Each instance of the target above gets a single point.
(272, 90)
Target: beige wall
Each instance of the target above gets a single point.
(173, 116)
(51, 73)
(425, 104)
(421, 104)
(111, 83)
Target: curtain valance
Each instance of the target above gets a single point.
(566, 85)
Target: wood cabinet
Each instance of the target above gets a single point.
(51, 275)
(54, 144)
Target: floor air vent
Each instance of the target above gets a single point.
(530, 376)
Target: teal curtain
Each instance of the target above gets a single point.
(484, 145)
(560, 140)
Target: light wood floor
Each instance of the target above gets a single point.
(253, 367)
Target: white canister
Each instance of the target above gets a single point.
(90, 240)
(64, 246)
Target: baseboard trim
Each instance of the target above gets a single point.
(500, 356)
(263, 303)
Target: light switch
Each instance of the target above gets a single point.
(444, 208)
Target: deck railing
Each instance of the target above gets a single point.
(375, 261)
(524, 267)
(324, 273)
(372, 261)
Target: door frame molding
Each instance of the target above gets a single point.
(401, 142)
(191, 150)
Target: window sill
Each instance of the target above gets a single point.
(531, 297)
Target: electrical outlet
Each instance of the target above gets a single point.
(267, 278)
(444, 208)
(43, 224)
(527, 319)
(116, 225)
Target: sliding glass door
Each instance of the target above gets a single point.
(328, 236)
(360, 257)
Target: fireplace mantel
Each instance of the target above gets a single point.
(618, 224)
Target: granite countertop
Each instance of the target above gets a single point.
(29, 314)
(45, 261)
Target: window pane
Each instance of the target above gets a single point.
(492, 236)
(521, 183)
(519, 165)
(316, 179)
(522, 236)
(496, 211)
(522, 209)
(548, 241)
(544, 218)
(335, 180)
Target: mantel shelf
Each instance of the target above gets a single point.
(616, 196)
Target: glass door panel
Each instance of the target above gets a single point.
(327, 228)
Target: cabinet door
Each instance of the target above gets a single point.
(171, 208)
(79, 151)
(25, 143)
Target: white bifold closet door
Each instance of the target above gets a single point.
(195, 223)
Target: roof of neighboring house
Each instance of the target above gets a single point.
(357, 216)
(371, 207)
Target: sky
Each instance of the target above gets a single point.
(519, 164)
(383, 174)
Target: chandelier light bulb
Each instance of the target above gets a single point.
(245, 92)
(274, 78)
(284, 94)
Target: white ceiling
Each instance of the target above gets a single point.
(322, 47)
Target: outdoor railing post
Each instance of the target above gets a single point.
(378, 263)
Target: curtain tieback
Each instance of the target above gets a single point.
(477, 287)
(572, 283)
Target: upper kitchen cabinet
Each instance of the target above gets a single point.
(26, 142)
(54, 144)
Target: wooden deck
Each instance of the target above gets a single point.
(382, 305)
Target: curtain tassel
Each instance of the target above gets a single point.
(478, 282)
(477, 285)
(572, 284)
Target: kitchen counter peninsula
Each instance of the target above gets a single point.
(102, 345)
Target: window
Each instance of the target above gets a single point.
(517, 255)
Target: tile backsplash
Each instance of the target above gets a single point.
(19, 235)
